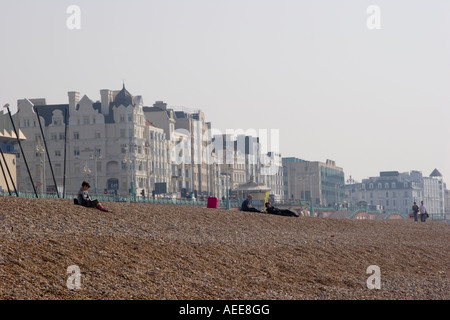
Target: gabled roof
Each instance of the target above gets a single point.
(435, 173)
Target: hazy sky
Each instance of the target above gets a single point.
(372, 100)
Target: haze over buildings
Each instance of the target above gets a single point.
(371, 100)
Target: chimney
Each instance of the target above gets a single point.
(106, 96)
(160, 104)
(74, 98)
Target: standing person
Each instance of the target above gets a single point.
(423, 212)
(415, 209)
(85, 200)
(247, 205)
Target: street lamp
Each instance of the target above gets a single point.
(127, 161)
(350, 181)
(40, 150)
(303, 187)
(96, 157)
(86, 171)
(227, 185)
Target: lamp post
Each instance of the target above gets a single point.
(86, 171)
(96, 157)
(227, 185)
(40, 150)
(127, 161)
(303, 180)
(350, 181)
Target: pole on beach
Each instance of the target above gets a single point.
(21, 149)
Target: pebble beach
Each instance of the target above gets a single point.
(177, 252)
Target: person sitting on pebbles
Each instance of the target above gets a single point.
(247, 205)
(85, 200)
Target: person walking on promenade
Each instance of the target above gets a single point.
(423, 212)
(415, 209)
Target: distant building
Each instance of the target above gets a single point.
(434, 193)
(396, 192)
(89, 140)
(323, 183)
(447, 201)
(240, 158)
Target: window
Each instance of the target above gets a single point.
(76, 136)
(53, 137)
(123, 148)
(130, 133)
(379, 186)
(57, 153)
(58, 169)
(62, 136)
(371, 186)
(130, 118)
(386, 185)
(394, 185)
(97, 135)
(85, 120)
(122, 118)
(122, 133)
(76, 151)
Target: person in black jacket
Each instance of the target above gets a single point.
(415, 209)
(85, 200)
(281, 212)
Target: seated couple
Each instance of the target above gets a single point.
(247, 206)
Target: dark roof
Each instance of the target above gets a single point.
(123, 98)
(389, 174)
(435, 173)
(46, 112)
(180, 114)
(97, 106)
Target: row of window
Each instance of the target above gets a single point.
(393, 185)
(140, 119)
(61, 136)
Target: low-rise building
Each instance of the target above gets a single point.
(319, 182)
